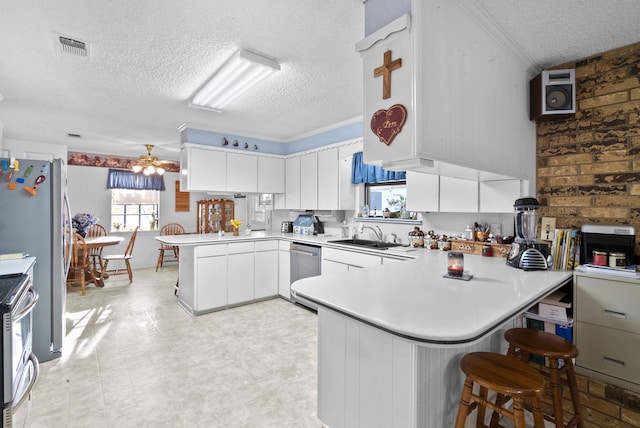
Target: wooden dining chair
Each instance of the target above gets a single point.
(95, 254)
(169, 229)
(79, 264)
(126, 257)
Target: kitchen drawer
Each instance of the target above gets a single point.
(351, 258)
(608, 303)
(211, 250)
(284, 245)
(608, 351)
(240, 247)
(266, 245)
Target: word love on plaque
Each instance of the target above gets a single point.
(386, 124)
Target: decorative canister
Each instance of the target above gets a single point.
(618, 260)
(599, 258)
(487, 251)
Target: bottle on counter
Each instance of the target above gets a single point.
(468, 233)
(365, 210)
(345, 229)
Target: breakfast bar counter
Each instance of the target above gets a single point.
(391, 336)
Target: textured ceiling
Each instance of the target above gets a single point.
(148, 57)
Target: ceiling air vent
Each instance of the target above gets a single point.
(72, 47)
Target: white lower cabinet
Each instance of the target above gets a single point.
(211, 278)
(607, 329)
(266, 269)
(215, 276)
(240, 271)
(284, 270)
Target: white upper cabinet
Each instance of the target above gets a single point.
(292, 183)
(458, 195)
(498, 196)
(202, 169)
(309, 181)
(464, 87)
(270, 174)
(423, 192)
(242, 173)
(328, 179)
(348, 190)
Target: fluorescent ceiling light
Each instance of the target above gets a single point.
(240, 73)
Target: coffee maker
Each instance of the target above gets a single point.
(526, 252)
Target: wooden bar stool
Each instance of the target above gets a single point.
(525, 341)
(504, 375)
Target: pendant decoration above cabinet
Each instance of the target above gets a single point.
(386, 124)
(385, 71)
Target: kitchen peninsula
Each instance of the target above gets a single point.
(391, 336)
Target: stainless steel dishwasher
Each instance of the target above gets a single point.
(305, 262)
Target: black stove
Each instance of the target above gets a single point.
(10, 288)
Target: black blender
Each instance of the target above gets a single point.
(526, 252)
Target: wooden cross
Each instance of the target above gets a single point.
(385, 71)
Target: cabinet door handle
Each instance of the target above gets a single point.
(615, 314)
(612, 361)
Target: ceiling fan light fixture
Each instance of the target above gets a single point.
(238, 74)
(148, 164)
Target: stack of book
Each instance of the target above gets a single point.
(553, 315)
(565, 249)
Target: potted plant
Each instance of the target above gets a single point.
(154, 221)
(398, 205)
(116, 225)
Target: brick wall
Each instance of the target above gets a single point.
(603, 405)
(588, 166)
(588, 171)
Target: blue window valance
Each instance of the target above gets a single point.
(123, 179)
(363, 173)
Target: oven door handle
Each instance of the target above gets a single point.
(30, 306)
(33, 360)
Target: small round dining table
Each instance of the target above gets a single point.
(99, 242)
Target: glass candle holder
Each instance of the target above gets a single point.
(455, 263)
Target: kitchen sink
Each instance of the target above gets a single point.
(366, 243)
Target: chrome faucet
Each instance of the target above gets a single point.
(377, 232)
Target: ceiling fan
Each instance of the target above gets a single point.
(149, 164)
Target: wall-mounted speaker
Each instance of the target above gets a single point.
(552, 94)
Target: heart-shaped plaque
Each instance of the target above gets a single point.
(386, 124)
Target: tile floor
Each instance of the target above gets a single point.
(133, 358)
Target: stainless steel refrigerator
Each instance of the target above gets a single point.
(35, 218)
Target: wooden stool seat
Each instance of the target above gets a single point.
(506, 376)
(560, 353)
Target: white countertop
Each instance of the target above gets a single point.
(412, 299)
(322, 240)
(8, 267)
